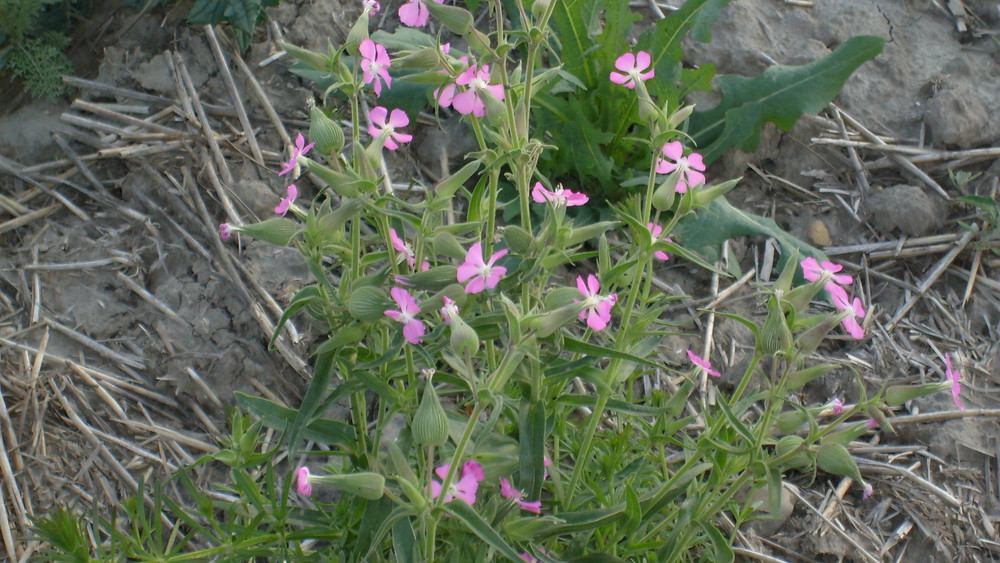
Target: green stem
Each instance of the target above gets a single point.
(583, 459)
(359, 410)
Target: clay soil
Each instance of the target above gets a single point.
(126, 325)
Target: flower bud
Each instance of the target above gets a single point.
(434, 279)
(313, 59)
(899, 394)
(447, 187)
(412, 492)
(538, 7)
(367, 485)
(358, 33)
(775, 336)
(325, 132)
(430, 423)
(666, 192)
(368, 303)
(791, 421)
(797, 379)
(427, 58)
(847, 435)
(517, 239)
(278, 231)
(705, 195)
(458, 20)
(554, 320)
(834, 458)
(680, 116)
(464, 339)
(789, 444)
(344, 184)
(579, 235)
(445, 244)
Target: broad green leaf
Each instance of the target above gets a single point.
(705, 231)
(779, 95)
(531, 434)
(576, 23)
(310, 402)
(481, 528)
(279, 417)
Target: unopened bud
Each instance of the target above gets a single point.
(370, 486)
(788, 444)
(311, 58)
(554, 320)
(368, 304)
(464, 339)
(428, 58)
(325, 132)
(899, 394)
(517, 239)
(666, 192)
(430, 423)
(458, 20)
(775, 336)
(834, 458)
(445, 244)
(278, 231)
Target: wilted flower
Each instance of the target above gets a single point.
(291, 193)
(510, 493)
(656, 232)
(704, 364)
(634, 68)
(868, 492)
(837, 405)
(413, 330)
(225, 231)
(690, 166)
(465, 488)
(300, 149)
(482, 274)
(449, 310)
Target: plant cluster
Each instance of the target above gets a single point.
(491, 369)
(32, 40)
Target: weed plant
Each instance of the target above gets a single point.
(491, 368)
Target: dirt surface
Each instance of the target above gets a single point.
(121, 276)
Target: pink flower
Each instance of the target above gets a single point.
(449, 310)
(403, 248)
(413, 330)
(871, 423)
(476, 79)
(955, 377)
(596, 308)
(446, 48)
(225, 231)
(302, 482)
(869, 491)
(483, 274)
(634, 67)
(370, 7)
(837, 405)
(375, 65)
(704, 364)
(559, 197)
(379, 126)
(691, 166)
(852, 311)
(528, 558)
(812, 270)
(510, 493)
(656, 231)
(414, 13)
(465, 488)
(292, 193)
(300, 149)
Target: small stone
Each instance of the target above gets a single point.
(818, 234)
(904, 208)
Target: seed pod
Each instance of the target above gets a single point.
(789, 444)
(834, 458)
(430, 423)
(775, 336)
(370, 486)
(464, 339)
(517, 239)
(278, 231)
(368, 303)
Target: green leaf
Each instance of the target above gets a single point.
(615, 405)
(208, 11)
(481, 528)
(531, 434)
(705, 231)
(578, 346)
(305, 296)
(779, 95)
(279, 417)
(723, 551)
(576, 22)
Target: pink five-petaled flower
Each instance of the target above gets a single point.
(704, 364)
(225, 231)
(414, 13)
(635, 67)
(482, 274)
(813, 270)
(375, 65)
(465, 488)
(449, 310)
(656, 231)
(379, 126)
(955, 377)
(596, 307)
(302, 482)
(476, 80)
(292, 193)
(413, 330)
(300, 149)
(691, 166)
(558, 197)
(510, 493)
(853, 310)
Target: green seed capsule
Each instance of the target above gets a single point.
(430, 423)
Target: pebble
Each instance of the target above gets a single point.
(818, 234)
